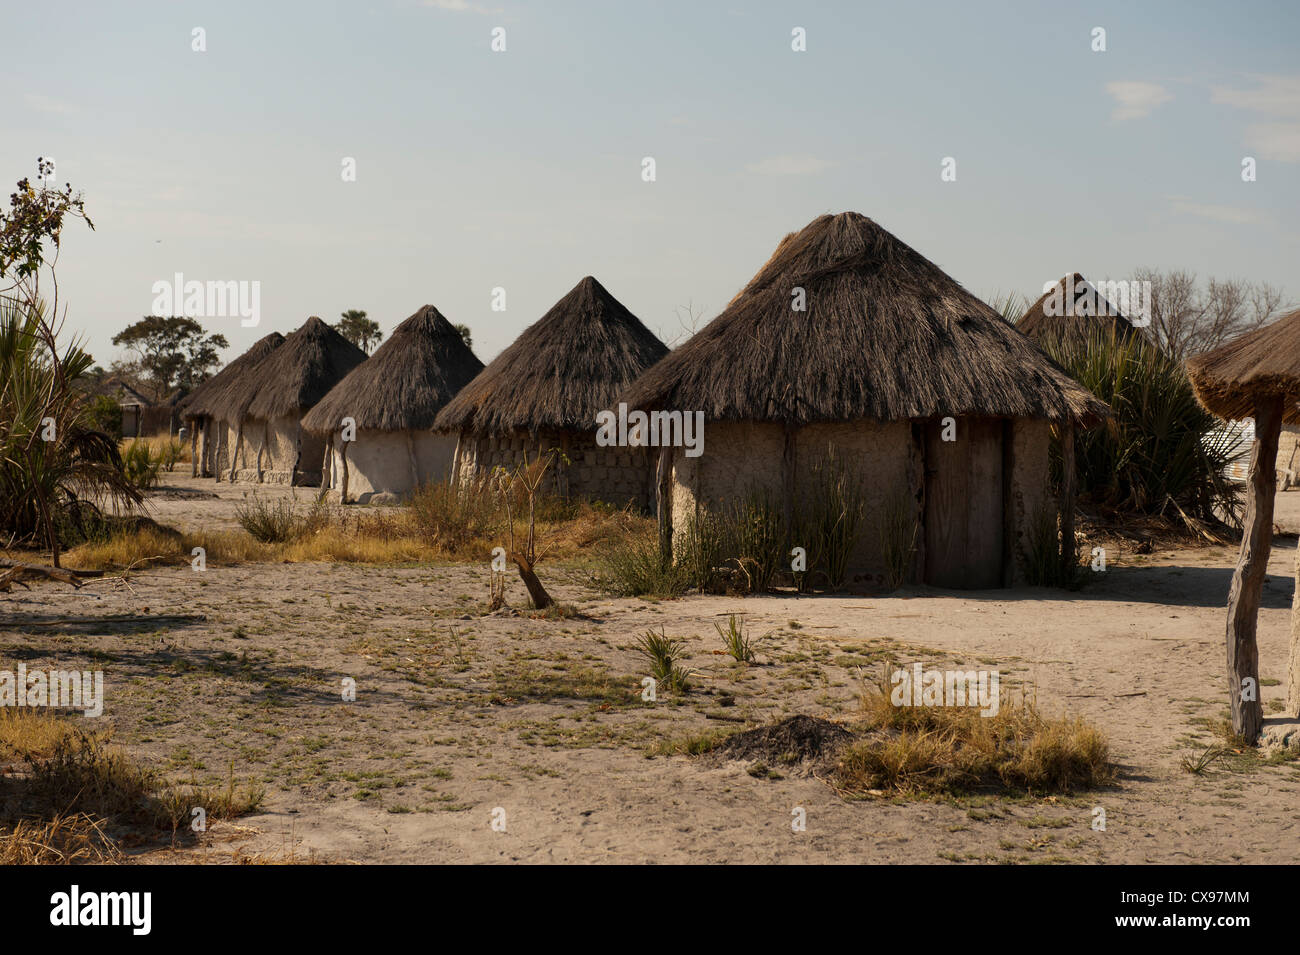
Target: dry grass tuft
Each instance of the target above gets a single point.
(73, 796)
(948, 750)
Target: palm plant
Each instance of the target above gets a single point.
(1161, 445)
(54, 466)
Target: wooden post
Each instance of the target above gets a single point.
(1252, 564)
(1069, 556)
(327, 468)
(664, 503)
(194, 445)
(1293, 666)
(266, 441)
(239, 446)
(454, 477)
(343, 491)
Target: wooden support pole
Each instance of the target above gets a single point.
(194, 444)
(1248, 578)
(265, 443)
(664, 503)
(327, 468)
(1293, 665)
(1069, 554)
(343, 454)
(239, 446)
(454, 477)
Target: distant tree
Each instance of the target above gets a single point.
(465, 334)
(171, 351)
(1188, 318)
(359, 330)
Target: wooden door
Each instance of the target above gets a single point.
(964, 505)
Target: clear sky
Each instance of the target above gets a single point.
(523, 169)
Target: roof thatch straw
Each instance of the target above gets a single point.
(1260, 365)
(886, 335)
(405, 383)
(301, 372)
(200, 402)
(1085, 312)
(561, 371)
(293, 377)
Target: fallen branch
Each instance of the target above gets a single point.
(17, 573)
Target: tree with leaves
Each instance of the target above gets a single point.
(172, 351)
(466, 335)
(54, 461)
(359, 330)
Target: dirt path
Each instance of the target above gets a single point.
(459, 714)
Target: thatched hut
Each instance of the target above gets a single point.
(1073, 307)
(197, 409)
(849, 341)
(262, 412)
(1255, 376)
(377, 420)
(545, 391)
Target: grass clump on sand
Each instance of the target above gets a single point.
(438, 524)
(77, 798)
(665, 654)
(948, 750)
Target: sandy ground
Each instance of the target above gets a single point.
(458, 715)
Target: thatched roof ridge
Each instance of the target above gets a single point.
(405, 383)
(1265, 363)
(886, 335)
(202, 400)
(1098, 315)
(561, 371)
(296, 375)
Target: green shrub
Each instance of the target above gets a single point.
(636, 568)
(828, 519)
(700, 552)
(453, 516)
(754, 534)
(664, 654)
(271, 522)
(1161, 445)
(141, 466)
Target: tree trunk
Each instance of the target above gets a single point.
(541, 599)
(1069, 555)
(1248, 578)
(664, 503)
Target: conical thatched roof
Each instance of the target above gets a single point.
(1084, 311)
(405, 383)
(204, 398)
(561, 371)
(886, 335)
(301, 372)
(1263, 364)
